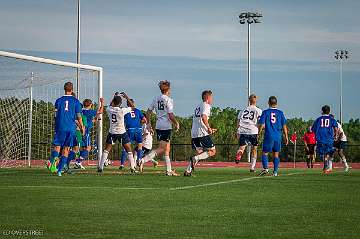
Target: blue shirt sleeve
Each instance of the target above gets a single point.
(334, 123)
(262, 118)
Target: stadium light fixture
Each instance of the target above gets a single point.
(341, 55)
(249, 18)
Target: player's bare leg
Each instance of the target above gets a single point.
(312, 160)
(104, 157)
(343, 160)
(201, 154)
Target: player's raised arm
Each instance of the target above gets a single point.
(101, 107)
(129, 101)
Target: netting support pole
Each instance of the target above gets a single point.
(30, 118)
(78, 51)
(100, 119)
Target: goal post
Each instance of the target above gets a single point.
(29, 86)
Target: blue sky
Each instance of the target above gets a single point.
(292, 50)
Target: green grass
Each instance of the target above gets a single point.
(297, 204)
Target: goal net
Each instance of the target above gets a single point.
(29, 87)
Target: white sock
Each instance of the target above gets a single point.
(330, 161)
(345, 163)
(203, 155)
(189, 169)
(150, 156)
(168, 163)
(135, 157)
(103, 159)
(131, 160)
(253, 163)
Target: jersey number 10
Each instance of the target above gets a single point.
(325, 123)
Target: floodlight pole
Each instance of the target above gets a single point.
(78, 51)
(341, 55)
(30, 118)
(248, 70)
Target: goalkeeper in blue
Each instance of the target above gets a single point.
(325, 128)
(274, 122)
(67, 111)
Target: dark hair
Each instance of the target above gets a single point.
(68, 87)
(117, 100)
(325, 109)
(272, 100)
(205, 94)
(130, 100)
(164, 86)
(87, 102)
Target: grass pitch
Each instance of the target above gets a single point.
(217, 203)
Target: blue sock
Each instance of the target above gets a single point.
(63, 161)
(276, 164)
(72, 156)
(54, 154)
(84, 154)
(264, 160)
(139, 154)
(123, 157)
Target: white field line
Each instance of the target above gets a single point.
(226, 182)
(72, 187)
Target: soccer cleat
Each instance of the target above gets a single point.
(192, 163)
(172, 173)
(54, 164)
(155, 163)
(327, 171)
(121, 167)
(238, 157)
(100, 170)
(59, 174)
(187, 174)
(252, 170)
(275, 174)
(48, 164)
(133, 171)
(264, 172)
(346, 169)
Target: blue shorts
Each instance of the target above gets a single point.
(65, 139)
(135, 135)
(325, 148)
(86, 140)
(122, 138)
(271, 145)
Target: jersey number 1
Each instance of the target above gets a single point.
(66, 105)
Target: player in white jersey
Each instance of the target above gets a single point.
(340, 142)
(147, 135)
(248, 131)
(117, 131)
(164, 108)
(201, 131)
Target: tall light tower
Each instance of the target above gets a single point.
(249, 18)
(341, 55)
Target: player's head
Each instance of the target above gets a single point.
(87, 103)
(252, 99)
(325, 110)
(309, 129)
(117, 100)
(207, 96)
(68, 87)
(130, 101)
(164, 86)
(272, 101)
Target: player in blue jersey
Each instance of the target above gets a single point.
(67, 110)
(91, 116)
(134, 121)
(274, 122)
(325, 128)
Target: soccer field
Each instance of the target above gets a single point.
(217, 203)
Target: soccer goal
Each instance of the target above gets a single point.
(29, 87)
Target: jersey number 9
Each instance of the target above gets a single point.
(113, 118)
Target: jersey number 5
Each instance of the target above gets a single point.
(273, 118)
(161, 105)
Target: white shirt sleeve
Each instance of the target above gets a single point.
(126, 110)
(239, 115)
(153, 105)
(206, 110)
(170, 106)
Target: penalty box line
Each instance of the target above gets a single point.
(226, 182)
